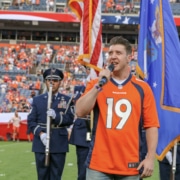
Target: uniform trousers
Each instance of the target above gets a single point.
(54, 170)
(165, 170)
(81, 153)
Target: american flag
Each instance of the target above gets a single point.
(90, 49)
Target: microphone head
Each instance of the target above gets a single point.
(104, 79)
(111, 67)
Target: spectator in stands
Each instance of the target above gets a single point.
(119, 8)
(61, 115)
(31, 85)
(3, 87)
(30, 100)
(15, 120)
(37, 85)
(6, 67)
(39, 72)
(109, 6)
(47, 5)
(23, 44)
(25, 105)
(4, 106)
(24, 78)
(14, 85)
(91, 74)
(133, 66)
(51, 5)
(18, 77)
(1, 80)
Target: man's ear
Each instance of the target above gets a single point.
(129, 57)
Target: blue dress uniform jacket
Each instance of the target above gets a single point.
(80, 126)
(58, 135)
(37, 123)
(78, 134)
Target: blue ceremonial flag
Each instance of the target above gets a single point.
(159, 63)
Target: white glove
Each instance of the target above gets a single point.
(51, 113)
(43, 138)
(169, 157)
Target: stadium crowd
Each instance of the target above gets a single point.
(22, 66)
(108, 6)
(21, 72)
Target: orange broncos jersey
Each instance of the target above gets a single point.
(119, 109)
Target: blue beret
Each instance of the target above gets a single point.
(53, 74)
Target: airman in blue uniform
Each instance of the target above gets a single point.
(80, 137)
(165, 166)
(61, 114)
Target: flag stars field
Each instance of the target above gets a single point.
(154, 84)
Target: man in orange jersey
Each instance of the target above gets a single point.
(122, 105)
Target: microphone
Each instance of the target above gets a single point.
(104, 80)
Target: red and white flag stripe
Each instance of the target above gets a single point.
(89, 14)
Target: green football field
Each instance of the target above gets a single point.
(17, 163)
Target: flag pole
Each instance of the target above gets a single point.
(174, 162)
(91, 121)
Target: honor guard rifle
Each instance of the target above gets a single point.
(48, 124)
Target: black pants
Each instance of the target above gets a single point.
(165, 170)
(81, 153)
(54, 170)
